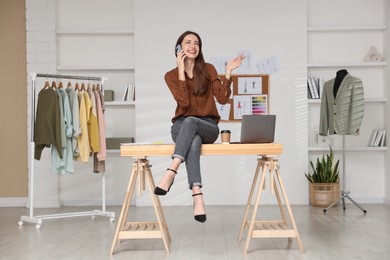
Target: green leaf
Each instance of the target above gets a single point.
(324, 171)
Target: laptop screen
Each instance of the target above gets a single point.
(258, 128)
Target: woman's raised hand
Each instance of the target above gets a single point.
(233, 64)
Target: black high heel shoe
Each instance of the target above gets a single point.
(202, 217)
(160, 192)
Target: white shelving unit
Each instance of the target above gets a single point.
(348, 149)
(95, 68)
(97, 39)
(101, 47)
(94, 32)
(317, 102)
(346, 64)
(345, 28)
(367, 100)
(375, 103)
(342, 42)
(119, 103)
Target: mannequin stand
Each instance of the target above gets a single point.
(344, 193)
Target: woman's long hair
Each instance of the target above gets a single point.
(201, 76)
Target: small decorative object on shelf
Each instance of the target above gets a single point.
(324, 186)
(108, 95)
(324, 141)
(115, 142)
(373, 55)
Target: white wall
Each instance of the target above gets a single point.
(226, 27)
(386, 11)
(41, 57)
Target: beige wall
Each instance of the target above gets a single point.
(13, 100)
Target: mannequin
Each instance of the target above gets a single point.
(339, 78)
(340, 75)
(342, 105)
(342, 110)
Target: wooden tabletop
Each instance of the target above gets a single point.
(141, 150)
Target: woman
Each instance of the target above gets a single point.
(194, 84)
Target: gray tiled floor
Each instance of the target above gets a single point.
(338, 235)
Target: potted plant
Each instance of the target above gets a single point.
(324, 186)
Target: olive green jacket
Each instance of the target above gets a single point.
(344, 114)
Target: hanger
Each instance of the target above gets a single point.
(47, 84)
(54, 85)
(77, 86)
(60, 85)
(69, 84)
(98, 87)
(89, 87)
(82, 86)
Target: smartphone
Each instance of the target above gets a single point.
(178, 48)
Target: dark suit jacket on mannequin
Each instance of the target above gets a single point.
(342, 105)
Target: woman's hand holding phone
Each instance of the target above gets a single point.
(178, 49)
(180, 56)
(179, 52)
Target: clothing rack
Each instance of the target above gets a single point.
(38, 219)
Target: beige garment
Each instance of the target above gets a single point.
(100, 157)
(83, 138)
(93, 127)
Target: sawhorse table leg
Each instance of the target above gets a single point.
(270, 229)
(141, 230)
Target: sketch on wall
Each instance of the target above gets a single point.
(249, 85)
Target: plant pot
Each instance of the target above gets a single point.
(323, 194)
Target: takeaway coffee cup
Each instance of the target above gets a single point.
(225, 136)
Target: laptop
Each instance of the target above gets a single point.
(257, 129)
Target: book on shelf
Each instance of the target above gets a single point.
(311, 88)
(320, 85)
(383, 140)
(129, 93)
(124, 98)
(314, 86)
(378, 138)
(374, 133)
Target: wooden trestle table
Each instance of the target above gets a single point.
(267, 162)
